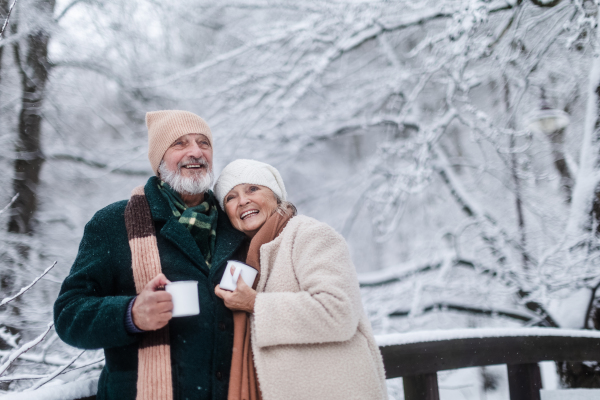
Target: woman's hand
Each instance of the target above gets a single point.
(241, 299)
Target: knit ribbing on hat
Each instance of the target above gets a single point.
(250, 172)
(154, 353)
(167, 125)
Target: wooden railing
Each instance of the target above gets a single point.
(417, 362)
(417, 356)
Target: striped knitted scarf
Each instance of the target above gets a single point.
(154, 354)
(200, 220)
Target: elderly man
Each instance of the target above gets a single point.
(171, 229)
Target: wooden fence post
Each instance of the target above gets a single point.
(524, 381)
(421, 387)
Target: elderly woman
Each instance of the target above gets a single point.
(307, 336)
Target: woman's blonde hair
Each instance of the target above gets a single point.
(285, 208)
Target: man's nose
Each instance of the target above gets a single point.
(194, 150)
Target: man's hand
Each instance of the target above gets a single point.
(152, 307)
(241, 299)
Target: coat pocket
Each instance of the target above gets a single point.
(121, 385)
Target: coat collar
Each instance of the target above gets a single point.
(228, 239)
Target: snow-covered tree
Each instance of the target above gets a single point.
(413, 128)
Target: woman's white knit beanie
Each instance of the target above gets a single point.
(251, 172)
(167, 125)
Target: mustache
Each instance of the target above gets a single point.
(193, 160)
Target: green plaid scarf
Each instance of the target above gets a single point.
(200, 220)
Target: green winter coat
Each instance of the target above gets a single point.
(90, 310)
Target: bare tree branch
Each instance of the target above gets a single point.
(55, 373)
(444, 306)
(10, 203)
(23, 349)
(26, 288)
(7, 18)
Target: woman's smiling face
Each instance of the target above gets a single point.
(249, 206)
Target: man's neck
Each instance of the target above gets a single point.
(192, 200)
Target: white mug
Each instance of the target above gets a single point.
(185, 298)
(248, 274)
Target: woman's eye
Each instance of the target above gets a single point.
(253, 188)
(228, 198)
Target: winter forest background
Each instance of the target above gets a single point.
(454, 143)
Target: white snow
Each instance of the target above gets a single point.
(570, 394)
(68, 391)
(438, 335)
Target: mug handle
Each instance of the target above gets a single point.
(236, 275)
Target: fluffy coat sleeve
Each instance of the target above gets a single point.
(88, 313)
(327, 308)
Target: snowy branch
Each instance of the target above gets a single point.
(58, 371)
(26, 288)
(7, 18)
(398, 274)
(15, 197)
(98, 165)
(23, 349)
(444, 306)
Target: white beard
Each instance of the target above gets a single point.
(201, 182)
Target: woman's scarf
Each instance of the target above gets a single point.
(154, 353)
(243, 382)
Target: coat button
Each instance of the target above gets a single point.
(219, 375)
(222, 326)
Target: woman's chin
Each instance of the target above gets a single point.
(251, 226)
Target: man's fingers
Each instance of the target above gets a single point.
(161, 296)
(157, 282)
(164, 307)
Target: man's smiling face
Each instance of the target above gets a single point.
(184, 154)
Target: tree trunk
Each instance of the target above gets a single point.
(29, 158)
(585, 205)
(4, 6)
(584, 214)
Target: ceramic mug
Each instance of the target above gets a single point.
(248, 274)
(185, 298)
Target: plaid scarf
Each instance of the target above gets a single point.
(200, 220)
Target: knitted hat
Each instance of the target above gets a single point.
(252, 172)
(166, 126)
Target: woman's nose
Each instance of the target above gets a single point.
(244, 200)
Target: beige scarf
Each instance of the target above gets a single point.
(154, 354)
(243, 382)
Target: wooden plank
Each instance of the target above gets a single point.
(524, 381)
(429, 357)
(421, 387)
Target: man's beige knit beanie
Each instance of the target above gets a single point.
(166, 126)
(252, 172)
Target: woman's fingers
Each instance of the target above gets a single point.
(220, 292)
(241, 285)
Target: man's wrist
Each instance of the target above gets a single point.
(129, 324)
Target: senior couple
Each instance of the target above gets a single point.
(299, 333)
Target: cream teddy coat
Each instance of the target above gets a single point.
(310, 336)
